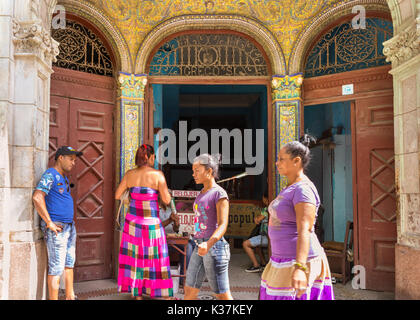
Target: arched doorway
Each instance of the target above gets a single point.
(250, 28)
(201, 81)
(81, 115)
(348, 99)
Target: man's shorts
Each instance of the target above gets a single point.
(61, 248)
(259, 241)
(214, 265)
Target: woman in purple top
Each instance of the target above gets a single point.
(212, 254)
(298, 267)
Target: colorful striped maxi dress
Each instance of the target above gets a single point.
(144, 266)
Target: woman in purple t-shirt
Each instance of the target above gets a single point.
(212, 254)
(298, 267)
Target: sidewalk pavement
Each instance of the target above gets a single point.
(244, 286)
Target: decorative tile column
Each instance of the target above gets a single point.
(131, 118)
(287, 103)
(403, 50)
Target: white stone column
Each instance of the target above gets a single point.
(26, 54)
(403, 50)
(6, 62)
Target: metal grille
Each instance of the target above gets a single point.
(344, 48)
(81, 50)
(208, 55)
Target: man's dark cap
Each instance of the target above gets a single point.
(66, 151)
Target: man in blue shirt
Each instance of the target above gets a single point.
(54, 204)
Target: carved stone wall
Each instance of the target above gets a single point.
(25, 58)
(403, 51)
(403, 46)
(6, 12)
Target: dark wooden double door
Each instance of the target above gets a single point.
(81, 116)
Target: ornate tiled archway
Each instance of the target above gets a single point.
(110, 31)
(237, 24)
(213, 22)
(319, 23)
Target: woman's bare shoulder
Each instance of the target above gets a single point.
(157, 173)
(128, 173)
(145, 171)
(133, 172)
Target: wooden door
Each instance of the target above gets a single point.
(93, 194)
(81, 117)
(59, 110)
(376, 218)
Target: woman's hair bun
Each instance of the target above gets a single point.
(212, 161)
(217, 158)
(144, 152)
(301, 149)
(307, 140)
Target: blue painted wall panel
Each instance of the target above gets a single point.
(157, 116)
(336, 165)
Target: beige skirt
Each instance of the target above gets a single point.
(276, 280)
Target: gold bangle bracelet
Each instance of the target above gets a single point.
(300, 266)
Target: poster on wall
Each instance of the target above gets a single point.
(241, 219)
(185, 212)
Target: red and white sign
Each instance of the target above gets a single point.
(185, 193)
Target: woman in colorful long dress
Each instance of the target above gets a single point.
(298, 267)
(144, 266)
(211, 254)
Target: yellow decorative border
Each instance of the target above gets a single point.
(131, 98)
(286, 117)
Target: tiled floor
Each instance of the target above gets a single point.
(244, 286)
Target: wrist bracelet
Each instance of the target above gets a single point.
(301, 266)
